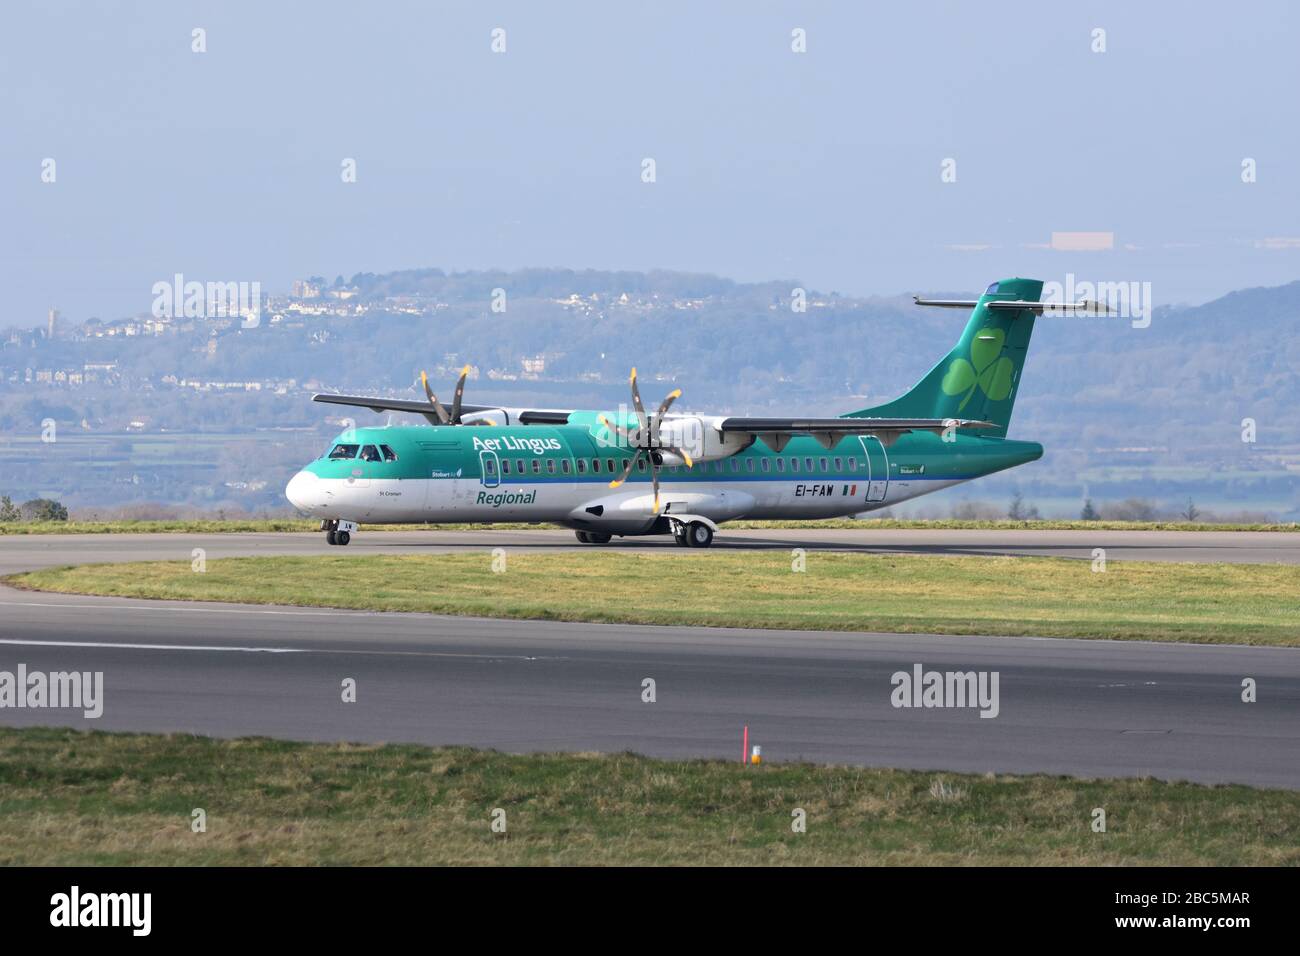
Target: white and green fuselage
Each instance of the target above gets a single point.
(562, 473)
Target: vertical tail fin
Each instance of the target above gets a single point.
(979, 378)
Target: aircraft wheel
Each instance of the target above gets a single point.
(583, 537)
(699, 535)
(679, 535)
(330, 537)
(598, 537)
(342, 537)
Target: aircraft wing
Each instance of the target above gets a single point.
(776, 432)
(525, 416)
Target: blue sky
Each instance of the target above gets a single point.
(822, 166)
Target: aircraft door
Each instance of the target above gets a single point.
(489, 469)
(877, 467)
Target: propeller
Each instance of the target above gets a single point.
(453, 417)
(645, 438)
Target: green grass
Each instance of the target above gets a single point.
(73, 798)
(1051, 597)
(234, 526)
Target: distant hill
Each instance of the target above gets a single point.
(1124, 412)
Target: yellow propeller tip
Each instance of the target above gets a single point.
(676, 393)
(465, 370)
(615, 484)
(423, 377)
(633, 376)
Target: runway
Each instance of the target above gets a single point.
(23, 552)
(1083, 708)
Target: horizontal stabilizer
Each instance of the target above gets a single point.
(1002, 305)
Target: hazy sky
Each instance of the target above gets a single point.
(823, 166)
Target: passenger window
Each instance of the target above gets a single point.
(489, 466)
(389, 454)
(550, 466)
(370, 453)
(853, 464)
(807, 464)
(564, 465)
(794, 464)
(519, 465)
(343, 451)
(749, 465)
(780, 464)
(823, 464)
(767, 464)
(537, 467)
(582, 466)
(735, 465)
(505, 466)
(839, 464)
(640, 465)
(595, 464)
(609, 464)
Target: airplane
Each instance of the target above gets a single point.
(630, 473)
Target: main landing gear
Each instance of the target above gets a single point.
(688, 534)
(337, 531)
(695, 534)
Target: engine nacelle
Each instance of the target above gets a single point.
(700, 437)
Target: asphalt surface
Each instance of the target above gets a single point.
(1083, 708)
(21, 552)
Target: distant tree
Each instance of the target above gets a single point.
(7, 510)
(1019, 511)
(1131, 509)
(1190, 512)
(975, 511)
(965, 511)
(1089, 513)
(43, 509)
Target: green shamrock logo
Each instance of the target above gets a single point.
(985, 370)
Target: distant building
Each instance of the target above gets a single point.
(53, 319)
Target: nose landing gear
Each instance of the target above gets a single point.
(338, 531)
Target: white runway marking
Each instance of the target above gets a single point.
(155, 647)
(277, 650)
(174, 606)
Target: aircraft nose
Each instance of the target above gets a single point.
(302, 491)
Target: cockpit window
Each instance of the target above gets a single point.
(344, 451)
(370, 453)
(389, 454)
